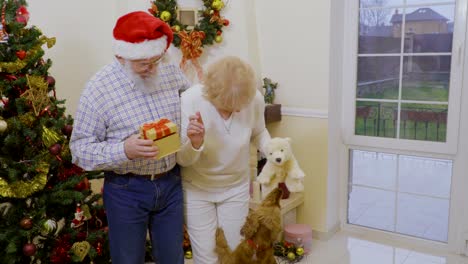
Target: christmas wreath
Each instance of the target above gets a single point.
(191, 41)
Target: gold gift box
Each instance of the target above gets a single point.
(165, 135)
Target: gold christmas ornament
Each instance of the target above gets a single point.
(188, 254)
(3, 125)
(176, 28)
(217, 5)
(219, 39)
(166, 16)
(23, 189)
(49, 137)
(300, 251)
(291, 256)
(81, 249)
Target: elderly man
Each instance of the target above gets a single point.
(140, 192)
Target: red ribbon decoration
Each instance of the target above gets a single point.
(160, 127)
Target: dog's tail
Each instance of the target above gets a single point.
(222, 247)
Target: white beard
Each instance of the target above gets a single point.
(147, 84)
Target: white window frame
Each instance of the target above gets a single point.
(351, 38)
(458, 229)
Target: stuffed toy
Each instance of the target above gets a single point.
(281, 167)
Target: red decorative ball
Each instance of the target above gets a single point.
(22, 15)
(55, 149)
(226, 22)
(83, 185)
(67, 130)
(21, 54)
(26, 223)
(219, 33)
(50, 81)
(29, 249)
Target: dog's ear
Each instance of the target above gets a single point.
(271, 219)
(250, 226)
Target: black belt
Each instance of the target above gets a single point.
(150, 177)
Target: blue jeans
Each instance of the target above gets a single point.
(134, 205)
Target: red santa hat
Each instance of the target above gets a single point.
(139, 35)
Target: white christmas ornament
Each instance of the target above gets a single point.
(49, 226)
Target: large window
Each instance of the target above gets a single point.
(407, 75)
(403, 76)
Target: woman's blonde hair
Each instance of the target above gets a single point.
(229, 84)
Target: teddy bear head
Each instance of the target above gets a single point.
(279, 150)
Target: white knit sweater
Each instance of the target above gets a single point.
(223, 160)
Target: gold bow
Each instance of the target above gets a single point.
(191, 47)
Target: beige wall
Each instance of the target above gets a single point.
(294, 51)
(83, 31)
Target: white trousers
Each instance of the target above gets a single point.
(205, 211)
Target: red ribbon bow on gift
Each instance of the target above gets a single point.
(160, 127)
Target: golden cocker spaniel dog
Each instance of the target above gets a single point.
(260, 231)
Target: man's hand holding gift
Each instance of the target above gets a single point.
(137, 147)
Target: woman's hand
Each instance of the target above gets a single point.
(196, 130)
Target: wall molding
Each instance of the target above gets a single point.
(304, 112)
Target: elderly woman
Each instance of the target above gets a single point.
(220, 119)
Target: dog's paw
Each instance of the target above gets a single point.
(296, 187)
(263, 180)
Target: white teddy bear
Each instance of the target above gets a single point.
(281, 166)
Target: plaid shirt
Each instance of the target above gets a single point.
(111, 109)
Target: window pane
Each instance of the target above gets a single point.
(374, 169)
(378, 77)
(371, 208)
(376, 119)
(425, 176)
(423, 217)
(426, 78)
(379, 3)
(417, 206)
(429, 29)
(376, 33)
(423, 122)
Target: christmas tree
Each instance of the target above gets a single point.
(48, 213)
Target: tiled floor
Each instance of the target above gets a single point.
(346, 249)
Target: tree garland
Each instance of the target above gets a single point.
(206, 32)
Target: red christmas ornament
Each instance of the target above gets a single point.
(67, 130)
(29, 249)
(26, 223)
(83, 185)
(99, 249)
(11, 77)
(60, 252)
(65, 173)
(219, 33)
(226, 22)
(50, 81)
(55, 149)
(22, 15)
(21, 54)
